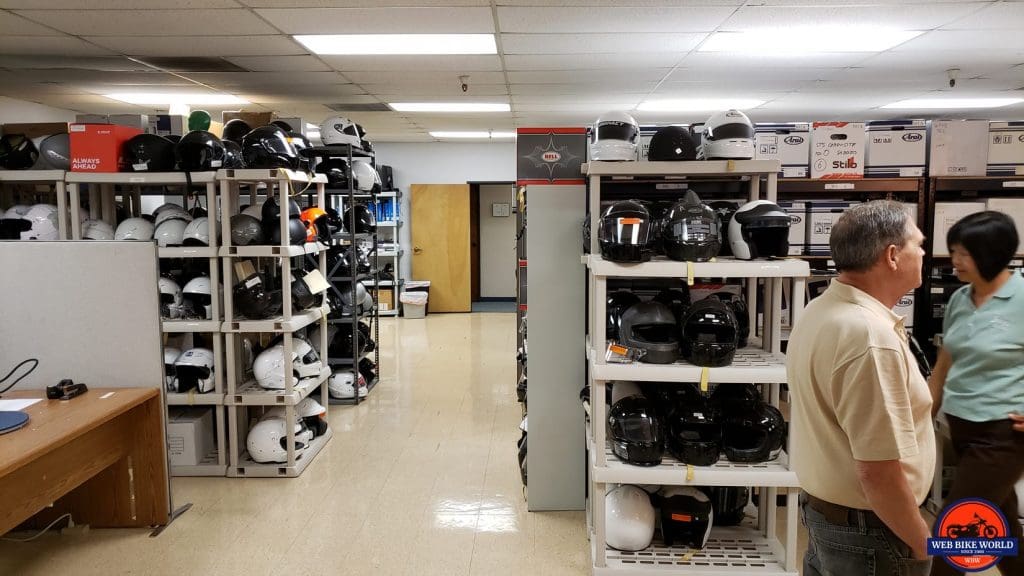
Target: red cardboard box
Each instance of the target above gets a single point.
(98, 147)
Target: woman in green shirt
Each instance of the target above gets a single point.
(978, 379)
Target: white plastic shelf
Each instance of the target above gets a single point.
(692, 168)
(661, 267)
(387, 312)
(386, 254)
(272, 251)
(249, 468)
(32, 175)
(299, 320)
(154, 178)
(208, 466)
(269, 174)
(183, 326)
(387, 224)
(730, 551)
(194, 398)
(673, 472)
(750, 364)
(251, 394)
(187, 252)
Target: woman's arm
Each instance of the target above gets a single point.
(938, 379)
(1018, 422)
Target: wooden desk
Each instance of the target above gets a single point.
(100, 456)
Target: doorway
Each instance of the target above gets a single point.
(493, 246)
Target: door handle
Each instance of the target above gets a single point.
(417, 250)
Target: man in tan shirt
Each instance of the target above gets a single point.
(862, 439)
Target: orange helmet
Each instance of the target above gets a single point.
(315, 219)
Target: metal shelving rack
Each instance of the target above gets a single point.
(242, 391)
(752, 548)
(392, 256)
(19, 179)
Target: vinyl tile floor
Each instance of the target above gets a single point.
(421, 479)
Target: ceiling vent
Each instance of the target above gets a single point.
(191, 64)
(372, 107)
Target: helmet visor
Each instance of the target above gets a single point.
(727, 131)
(642, 430)
(617, 131)
(695, 229)
(631, 231)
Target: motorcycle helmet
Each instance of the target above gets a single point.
(693, 434)
(235, 130)
(300, 142)
(339, 130)
(270, 211)
(366, 222)
(367, 179)
(269, 147)
(352, 304)
(368, 369)
(43, 223)
(167, 206)
(197, 297)
(149, 153)
(17, 152)
(268, 441)
(13, 223)
(635, 431)
(315, 218)
(625, 232)
(233, 155)
(678, 300)
(336, 171)
(270, 366)
(752, 433)
(170, 232)
(686, 516)
(198, 151)
(739, 309)
(651, 328)
(759, 229)
(302, 297)
(691, 231)
(254, 210)
(709, 334)
(671, 143)
(54, 153)
(246, 230)
(197, 233)
(97, 230)
(629, 518)
(303, 434)
(296, 233)
(307, 363)
(728, 503)
(254, 301)
(313, 414)
(725, 210)
(727, 135)
(194, 369)
(170, 357)
(342, 385)
(616, 136)
(173, 213)
(729, 395)
(138, 229)
(365, 337)
(171, 298)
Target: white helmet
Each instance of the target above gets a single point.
(166, 206)
(97, 230)
(367, 178)
(339, 130)
(314, 415)
(267, 441)
(194, 369)
(43, 218)
(197, 296)
(616, 136)
(170, 356)
(686, 516)
(629, 518)
(170, 298)
(303, 433)
(269, 367)
(17, 211)
(342, 385)
(624, 388)
(307, 362)
(170, 232)
(254, 210)
(197, 233)
(175, 213)
(727, 135)
(357, 306)
(134, 229)
(759, 229)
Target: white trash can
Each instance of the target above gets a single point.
(414, 304)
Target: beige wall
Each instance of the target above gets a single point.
(497, 244)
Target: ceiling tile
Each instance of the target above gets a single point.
(726, 89)
(43, 62)
(737, 63)
(114, 4)
(101, 78)
(429, 91)
(423, 77)
(598, 43)
(571, 89)
(621, 76)
(360, 3)
(200, 45)
(618, 19)
(863, 2)
(11, 24)
(615, 3)
(49, 45)
(997, 41)
(998, 16)
(603, 98)
(414, 63)
(753, 76)
(379, 20)
(262, 79)
(301, 93)
(590, 61)
(152, 22)
(280, 63)
(919, 17)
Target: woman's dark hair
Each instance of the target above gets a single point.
(989, 237)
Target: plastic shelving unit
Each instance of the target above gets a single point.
(48, 178)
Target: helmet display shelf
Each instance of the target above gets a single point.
(245, 396)
(753, 547)
(23, 187)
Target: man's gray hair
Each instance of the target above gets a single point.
(864, 231)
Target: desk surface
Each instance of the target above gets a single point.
(53, 423)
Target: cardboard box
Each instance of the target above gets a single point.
(789, 143)
(253, 119)
(837, 150)
(386, 298)
(958, 147)
(947, 214)
(166, 125)
(140, 121)
(98, 147)
(821, 216)
(896, 149)
(905, 308)
(190, 436)
(1013, 207)
(36, 129)
(92, 119)
(798, 230)
(1005, 149)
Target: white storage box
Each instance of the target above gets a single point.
(190, 435)
(896, 148)
(789, 143)
(797, 230)
(947, 214)
(958, 148)
(911, 208)
(905, 308)
(837, 150)
(1014, 208)
(821, 216)
(1005, 149)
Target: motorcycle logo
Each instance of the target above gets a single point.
(972, 535)
(912, 137)
(793, 140)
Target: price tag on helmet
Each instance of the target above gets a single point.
(216, 163)
(619, 354)
(630, 221)
(689, 472)
(704, 379)
(689, 273)
(254, 281)
(141, 167)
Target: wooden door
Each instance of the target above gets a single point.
(440, 244)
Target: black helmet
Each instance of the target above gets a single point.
(728, 503)
(368, 370)
(625, 232)
(651, 328)
(269, 147)
(585, 233)
(366, 223)
(678, 300)
(709, 333)
(729, 395)
(739, 308)
(246, 230)
(302, 297)
(17, 152)
(233, 155)
(760, 229)
(300, 142)
(199, 151)
(671, 143)
(235, 130)
(691, 231)
(270, 212)
(366, 342)
(686, 516)
(149, 153)
(334, 221)
(254, 301)
(618, 302)
(693, 433)
(336, 171)
(55, 152)
(174, 138)
(635, 430)
(752, 433)
(282, 125)
(296, 233)
(725, 209)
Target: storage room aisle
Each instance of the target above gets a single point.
(421, 479)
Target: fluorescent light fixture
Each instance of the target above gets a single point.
(949, 103)
(310, 126)
(808, 40)
(399, 44)
(479, 134)
(449, 107)
(188, 98)
(698, 104)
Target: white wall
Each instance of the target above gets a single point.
(497, 244)
(18, 111)
(442, 163)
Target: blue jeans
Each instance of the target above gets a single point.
(861, 550)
